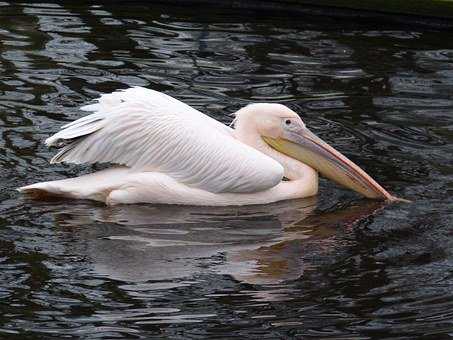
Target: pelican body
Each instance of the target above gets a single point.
(166, 152)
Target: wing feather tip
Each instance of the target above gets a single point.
(51, 141)
(90, 107)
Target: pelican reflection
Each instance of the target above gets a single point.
(253, 244)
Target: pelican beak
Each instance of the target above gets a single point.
(308, 148)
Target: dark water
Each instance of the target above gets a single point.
(335, 267)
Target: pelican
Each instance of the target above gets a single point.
(167, 152)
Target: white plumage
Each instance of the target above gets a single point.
(165, 151)
(169, 152)
(148, 130)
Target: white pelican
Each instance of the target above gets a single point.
(169, 153)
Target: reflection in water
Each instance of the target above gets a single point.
(259, 245)
(335, 268)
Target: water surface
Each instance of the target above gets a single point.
(332, 267)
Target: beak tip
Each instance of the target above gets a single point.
(394, 199)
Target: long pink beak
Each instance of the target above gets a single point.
(308, 148)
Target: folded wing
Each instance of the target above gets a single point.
(150, 131)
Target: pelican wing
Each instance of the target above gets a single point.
(150, 131)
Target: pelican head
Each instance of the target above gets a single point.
(284, 131)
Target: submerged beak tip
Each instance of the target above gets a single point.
(394, 199)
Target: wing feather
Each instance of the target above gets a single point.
(150, 131)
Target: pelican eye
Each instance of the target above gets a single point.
(288, 122)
